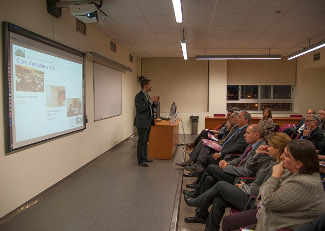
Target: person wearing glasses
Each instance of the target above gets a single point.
(301, 125)
(321, 114)
(312, 132)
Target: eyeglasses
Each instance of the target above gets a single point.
(321, 113)
(309, 120)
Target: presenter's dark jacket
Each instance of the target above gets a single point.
(237, 143)
(144, 111)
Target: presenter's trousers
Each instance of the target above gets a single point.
(142, 148)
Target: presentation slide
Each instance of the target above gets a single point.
(46, 93)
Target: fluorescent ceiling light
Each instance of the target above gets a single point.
(178, 10)
(184, 50)
(307, 49)
(234, 57)
(183, 43)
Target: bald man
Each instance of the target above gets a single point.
(244, 166)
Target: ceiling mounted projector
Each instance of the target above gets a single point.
(88, 13)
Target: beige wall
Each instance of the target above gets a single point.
(180, 81)
(309, 90)
(261, 72)
(217, 96)
(30, 171)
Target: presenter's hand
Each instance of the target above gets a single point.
(216, 156)
(154, 99)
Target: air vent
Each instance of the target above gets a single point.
(316, 56)
(81, 27)
(131, 58)
(113, 47)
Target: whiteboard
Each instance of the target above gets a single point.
(107, 92)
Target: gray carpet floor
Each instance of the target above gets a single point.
(112, 193)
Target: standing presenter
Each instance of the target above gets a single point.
(144, 119)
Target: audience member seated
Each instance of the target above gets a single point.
(321, 114)
(224, 194)
(218, 133)
(194, 156)
(294, 131)
(266, 122)
(312, 132)
(292, 196)
(301, 126)
(234, 144)
(245, 166)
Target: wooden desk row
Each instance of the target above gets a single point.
(212, 121)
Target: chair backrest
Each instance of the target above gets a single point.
(288, 125)
(281, 129)
(220, 115)
(297, 116)
(233, 210)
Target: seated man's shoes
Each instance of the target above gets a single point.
(192, 186)
(185, 163)
(189, 193)
(190, 145)
(190, 174)
(189, 201)
(195, 219)
(144, 164)
(194, 168)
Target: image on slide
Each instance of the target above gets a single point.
(55, 96)
(74, 107)
(29, 79)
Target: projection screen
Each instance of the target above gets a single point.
(45, 88)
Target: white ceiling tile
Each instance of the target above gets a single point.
(311, 6)
(271, 6)
(163, 24)
(148, 27)
(223, 51)
(228, 22)
(121, 8)
(197, 22)
(169, 38)
(235, 6)
(259, 22)
(133, 24)
(195, 7)
(156, 7)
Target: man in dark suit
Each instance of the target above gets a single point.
(245, 166)
(312, 132)
(201, 153)
(301, 125)
(144, 119)
(234, 144)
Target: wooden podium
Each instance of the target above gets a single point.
(163, 140)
